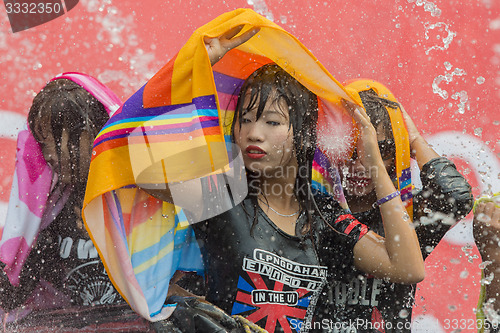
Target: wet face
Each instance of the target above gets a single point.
(357, 178)
(266, 142)
(65, 165)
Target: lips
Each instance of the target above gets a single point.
(255, 152)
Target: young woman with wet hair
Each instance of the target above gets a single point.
(285, 242)
(51, 269)
(444, 199)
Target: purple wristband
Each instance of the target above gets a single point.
(387, 198)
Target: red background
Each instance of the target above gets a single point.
(400, 43)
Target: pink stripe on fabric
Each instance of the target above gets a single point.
(34, 176)
(14, 253)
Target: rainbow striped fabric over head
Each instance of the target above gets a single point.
(171, 138)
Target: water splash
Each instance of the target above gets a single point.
(461, 97)
(428, 7)
(119, 29)
(467, 250)
(490, 313)
(446, 40)
(261, 8)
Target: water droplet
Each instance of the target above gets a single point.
(484, 264)
(478, 131)
(464, 274)
(447, 65)
(480, 80)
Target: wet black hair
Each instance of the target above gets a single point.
(271, 81)
(375, 107)
(62, 105)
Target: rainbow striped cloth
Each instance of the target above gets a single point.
(403, 168)
(174, 132)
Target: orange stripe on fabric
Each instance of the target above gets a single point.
(240, 64)
(141, 216)
(158, 90)
(109, 145)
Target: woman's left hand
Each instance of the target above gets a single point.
(413, 132)
(217, 47)
(367, 144)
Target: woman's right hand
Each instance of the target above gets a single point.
(217, 47)
(367, 143)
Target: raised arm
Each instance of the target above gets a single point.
(420, 149)
(397, 257)
(446, 196)
(487, 237)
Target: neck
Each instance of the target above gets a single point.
(278, 192)
(361, 204)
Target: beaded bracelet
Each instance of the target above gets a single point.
(386, 198)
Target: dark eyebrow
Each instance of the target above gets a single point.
(281, 114)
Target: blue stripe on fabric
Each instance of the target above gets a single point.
(304, 301)
(207, 112)
(319, 187)
(240, 307)
(186, 116)
(404, 183)
(243, 285)
(138, 258)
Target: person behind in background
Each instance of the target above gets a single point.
(50, 267)
(487, 237)
(381, 305)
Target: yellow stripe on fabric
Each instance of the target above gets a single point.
(103, 176)
(147, 234)
(162, 253)
(227, 121)
(317, 176)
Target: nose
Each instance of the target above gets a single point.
(255, 132)
(356, 166)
